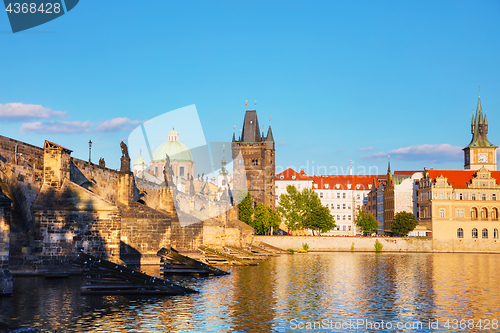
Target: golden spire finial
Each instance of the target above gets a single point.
(479, 91)
(269, 120)
(255, 103)
(246, 102)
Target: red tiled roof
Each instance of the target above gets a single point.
(406, 172)
(459, 178)
(288, 173)
(343, 182)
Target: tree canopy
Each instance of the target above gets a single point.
(265, 220)
(245, 209)
(303, 210)
(366, 222)
(403, 223)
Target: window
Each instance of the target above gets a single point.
(343, 206)
(473, 196)
(343, 195)
(348, 217)
(495, 233)
(338, 206)
(485, 233)
(348, 206)
(459, 213)
(484, 213)
(349, 228)
(326, 185)
(461, 196)
(223, 182)
(441, 212)
(474, 233)
(321, 195)
(441, 195)
(494, 197)
(338, 217)
(338, 195)
(343, 217)
(181, 171)
(460, 233)
(281, 177)
(343, 227)
(473, 213)
(484, 197)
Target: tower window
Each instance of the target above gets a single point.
(181, 171)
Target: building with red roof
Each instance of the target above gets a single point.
(342, 194)
(461, 207)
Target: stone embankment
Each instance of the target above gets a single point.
(390, 244)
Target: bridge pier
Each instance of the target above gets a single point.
(5, 275)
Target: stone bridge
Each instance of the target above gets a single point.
(62, 205)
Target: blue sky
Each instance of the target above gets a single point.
(341, 80)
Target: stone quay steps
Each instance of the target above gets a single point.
(102, 277)
(219, 256)
(174, 263)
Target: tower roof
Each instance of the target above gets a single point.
(479, 129)
(250, 132)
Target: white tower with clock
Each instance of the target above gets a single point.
(480, 152)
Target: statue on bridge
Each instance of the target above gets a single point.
(124, 149)
(168, 173)
(102, 163)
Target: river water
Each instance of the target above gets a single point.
(313, 292)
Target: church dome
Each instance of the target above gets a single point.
(177, 151)
(140, 161)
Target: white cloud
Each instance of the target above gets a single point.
(117, 124)
(281, 143)
(56, 127)
(366, 149)
(433, 153)
(20, 112)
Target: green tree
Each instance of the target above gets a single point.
(318, 217)
(265, 220)
(403, 223)
(291, 208)
(303, 210)
(366, 222)
(245, 209)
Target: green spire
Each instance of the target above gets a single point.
(479, 129)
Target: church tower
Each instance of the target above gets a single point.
(480, 152)
(257, 153)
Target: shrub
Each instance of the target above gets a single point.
(305, 247)
(352, 247)
(378, 246)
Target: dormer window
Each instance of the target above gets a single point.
(293, 177)
(315, 185)
(358, 186)
(349, 186)
(337, 186)
(326, 185)
(369, 187)
(281, 177)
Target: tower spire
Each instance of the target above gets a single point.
(388, 163)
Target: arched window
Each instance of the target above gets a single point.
(473, 213)
(484, 213)
(495, 233)
(473, 197)
(484, 197)
(494, 213)
(460, 233)
(485, 233)
(474, 233)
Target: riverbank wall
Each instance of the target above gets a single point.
(390, 244)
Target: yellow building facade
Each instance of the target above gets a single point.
(461, 207)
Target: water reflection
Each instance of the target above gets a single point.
(308, 288)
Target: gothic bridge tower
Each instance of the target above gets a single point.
(257, 152)
(480, 152)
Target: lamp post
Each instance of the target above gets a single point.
(90, 148)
